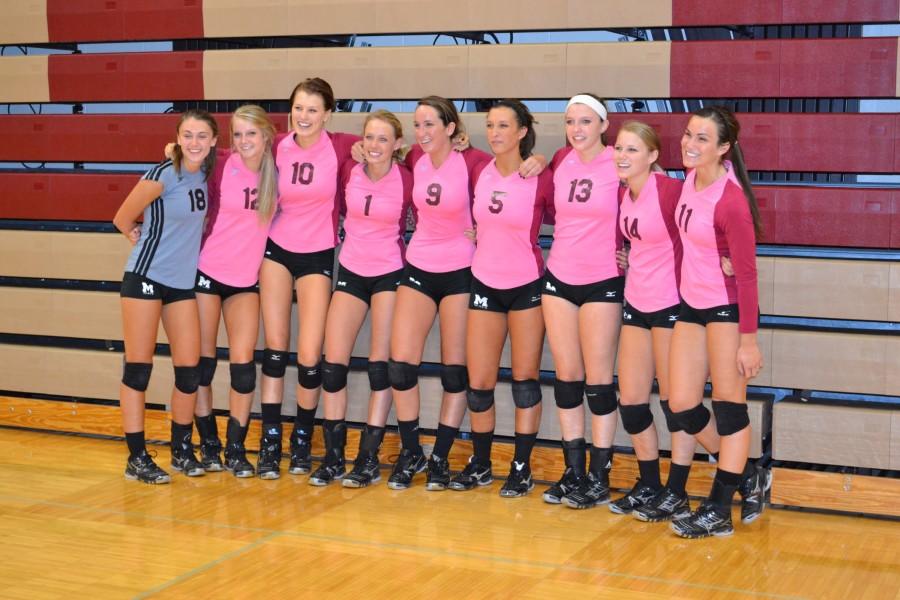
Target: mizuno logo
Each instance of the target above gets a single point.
(550, 287)
(275, 356)
(327, 273)
(535, 298)
(268, 253)
(146, 288)
(673, 317)
(203, 282)
(611, 294)
(723, 313)
(415, 281)
(480, 301)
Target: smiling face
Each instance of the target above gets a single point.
(584, 128)
(431, 133)
(308, 115)
(700, 147)
(379, 142)
(196, 139)
(633, 156)
(504, 131)
(247, 139)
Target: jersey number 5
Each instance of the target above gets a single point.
(496, 202)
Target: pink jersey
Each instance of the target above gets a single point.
(235, 238)
(654, 263)
(307, 217)
(585, 237)
(375, 220)
(442, 199)
(713, 223)
(509, 211)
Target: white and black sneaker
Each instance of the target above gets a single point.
(437, 474)
(638, 496)
(594, 490)
(210, 455)
(568, 483)
(708, 520)
(184, 460)
(519, 481)
(268, 463)
(328, 472)
(665, 506)
(753, 494)
(142, 468)
(366, 471)
(406, 467)
(474, 474)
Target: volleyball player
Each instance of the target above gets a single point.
(582, 301)
(243, 195)
(376, 200)
(717, 216)
(299, 257)
(158, 283)
(506, 295)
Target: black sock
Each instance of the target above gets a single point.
(749, 470)
(207, 427)
(304, 422)
(650, 472)
(524, 446)
(182, 433)
(271, 414)
(444, 441)
(481, 444)
(601, 459)
(136, 443)
(409, 435)
(678, 476)
(370, 440)
(723, 488)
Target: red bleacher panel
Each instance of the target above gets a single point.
(123, 20)
(766, 12)
(895, 221)
(151, 76)
(854, 68)
(765, 200)
(725, 69)
(716, 12)
(63, 196)
(855, 11)
(844, 143)
(834, 217)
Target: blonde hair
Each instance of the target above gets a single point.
(392, 120)
(648, 135)
(268, 176)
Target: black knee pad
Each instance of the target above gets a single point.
(526, 393)
(334, 376)
(274, 362)
(137, 375)
(207, 370)
(402, 375)
(671, 422)
(378, 375)
(479, 400)
(309, 377)
(454, 378)
(693, 420)
(243, 377)
(568, 394)
(187, 379)
(731, 417)
(601, 398)
(635, 417)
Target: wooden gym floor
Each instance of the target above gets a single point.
(73, 527)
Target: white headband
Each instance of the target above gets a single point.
(590, 102)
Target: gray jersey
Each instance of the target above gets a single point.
(169, 245)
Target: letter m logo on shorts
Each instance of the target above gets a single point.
(480, 301)
(146, 288)
(203, 282)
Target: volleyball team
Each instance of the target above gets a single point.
(236, 231)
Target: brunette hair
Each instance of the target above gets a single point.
(446, 112)
(313, 85)
(524, 118)
(178, 155)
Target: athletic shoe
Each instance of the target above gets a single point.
(301, 460)
(753, 494)
(326, 473)
(366, 471)
(518, 482)
(568, 483)
(708, 520)
(142, 468)
(437, 474)
(268, 463)
(184, 460)
(639, 495)
(664, 506)
(594, 490)
(474, 474)
(210, 458)
(406, 467)
(236, 461)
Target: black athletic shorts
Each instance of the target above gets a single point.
(608, 290)
(727, 313)
(437, 286)
(666, 317)
(518, 298)
(207, 285)
(135, 286)
(301, 264)
(365, 287)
